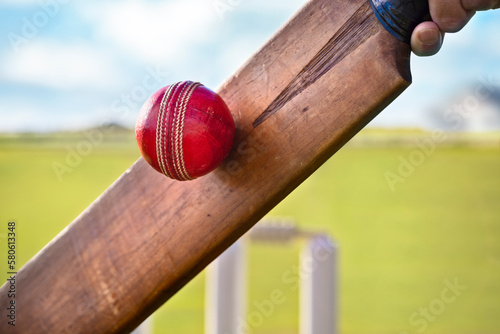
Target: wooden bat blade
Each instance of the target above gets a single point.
(355, 31)
(313, 86)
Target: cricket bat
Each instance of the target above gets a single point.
(318, 81)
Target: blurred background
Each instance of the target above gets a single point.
(413, 200)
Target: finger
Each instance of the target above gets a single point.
(480, 4)
(449, 15)
(426, 39)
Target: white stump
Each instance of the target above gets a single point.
(225, 292)
(145, 328)
(318, 289)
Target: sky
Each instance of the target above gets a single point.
(73, 64)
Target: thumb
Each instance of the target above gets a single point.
(426, 39)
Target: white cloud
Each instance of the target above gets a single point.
(19, 114)
(14, 117)
(53, 64)
(154, 32)
(275, 6)
(18, 2)
(22, 115)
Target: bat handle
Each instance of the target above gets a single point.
(400, 17)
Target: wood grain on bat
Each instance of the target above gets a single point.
(353, 33)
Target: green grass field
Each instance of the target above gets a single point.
(397, 247)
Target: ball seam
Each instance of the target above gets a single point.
(175, 130)
(161, 153)
(184, 103)
(178, 130)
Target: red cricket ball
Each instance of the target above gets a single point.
(184, 130)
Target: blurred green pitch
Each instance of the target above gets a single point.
(397, 248)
